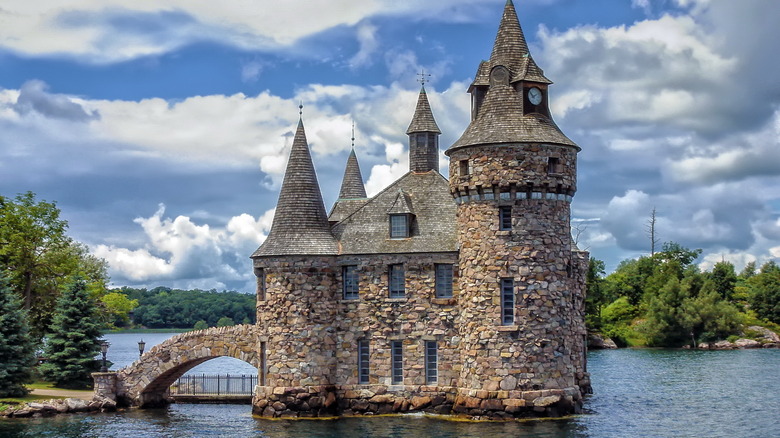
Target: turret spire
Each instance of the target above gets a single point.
(352, 184)
(300, 226)
(423, 136)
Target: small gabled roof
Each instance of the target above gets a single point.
(423, 120)
(300, 225)
(401, 205)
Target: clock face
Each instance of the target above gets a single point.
(535, 96)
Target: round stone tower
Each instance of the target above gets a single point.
(521, 291)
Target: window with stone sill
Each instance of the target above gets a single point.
(350, 282)
(431, 362)
(397, 281)
(507, 301)
(399, 226)
(397, 358)
(363, 361)
(505, 218)
(463, 166)
(260, 274)
(553, 165)
(263, 363)
(443, 280)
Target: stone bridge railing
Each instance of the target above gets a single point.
(146, 381)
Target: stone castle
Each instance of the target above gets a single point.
(462, 295)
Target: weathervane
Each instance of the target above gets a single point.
(423, 77)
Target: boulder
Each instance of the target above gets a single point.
(767, 334)
(723, 345)
(598, 342)
(747, 343)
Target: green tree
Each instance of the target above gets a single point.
(594, 296)
(201, 325)
(39, 258)
(764, 292)
(663, 325)
(73, 344)
(17, 352)
(724, 278)
(118, 306)
(708, 317)
(225, 322)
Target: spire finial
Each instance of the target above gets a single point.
(423, 77)
(300, 108)
(353, 134)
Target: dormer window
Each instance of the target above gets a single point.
(399, 226)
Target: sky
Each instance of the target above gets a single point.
(161, 129)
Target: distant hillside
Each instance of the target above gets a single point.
(163, 307)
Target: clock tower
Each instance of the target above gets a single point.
(513, 176)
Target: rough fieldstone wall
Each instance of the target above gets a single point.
(291, 284)
(296, 320)
(541, 355)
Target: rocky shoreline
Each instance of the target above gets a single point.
(768, 339)
(48, 408)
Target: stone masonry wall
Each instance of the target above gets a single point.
(413, 320)
(533, 364)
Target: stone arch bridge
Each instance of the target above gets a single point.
(146, 381)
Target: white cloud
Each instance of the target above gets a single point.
(187, 254)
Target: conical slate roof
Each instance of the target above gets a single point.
(352, 185)
(511, 51)
(300, 225)
(423, 120)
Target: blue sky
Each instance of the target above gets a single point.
(162, 129)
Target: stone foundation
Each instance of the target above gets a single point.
(331, 401)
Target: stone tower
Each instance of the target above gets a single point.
(423, 135)
(513, 175)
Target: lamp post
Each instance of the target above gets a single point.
(104, 349)
(141, 346)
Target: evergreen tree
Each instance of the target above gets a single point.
(73, 344)
(764, 294)
(17, 353)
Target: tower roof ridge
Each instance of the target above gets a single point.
(300, 225)
(423, 120)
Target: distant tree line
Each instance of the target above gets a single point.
(664, 299)
(164, 307)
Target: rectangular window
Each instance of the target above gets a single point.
(504, 218)
(263, 365)
(431, 362)
(397, 281)
(553, 165)
(260, 274)
(349, 275)
(464, 167)
(397, 348)
(363, 361)
(443, 281)
(507, 301)
(399, 226)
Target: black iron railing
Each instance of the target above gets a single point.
(218, 385)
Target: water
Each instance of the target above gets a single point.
(639, 393)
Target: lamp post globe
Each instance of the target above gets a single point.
(104, 349)
(141, 346)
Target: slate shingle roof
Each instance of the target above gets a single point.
(352, 185)
(427, 195)
(423, 120)
(501, 120)
(300, 226)
(510, 50)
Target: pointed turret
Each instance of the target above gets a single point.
(300, 226)
(352, 185)
(423, 137)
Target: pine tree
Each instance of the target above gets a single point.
(73, 344)
(17, 353)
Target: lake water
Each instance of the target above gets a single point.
(639, 393)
